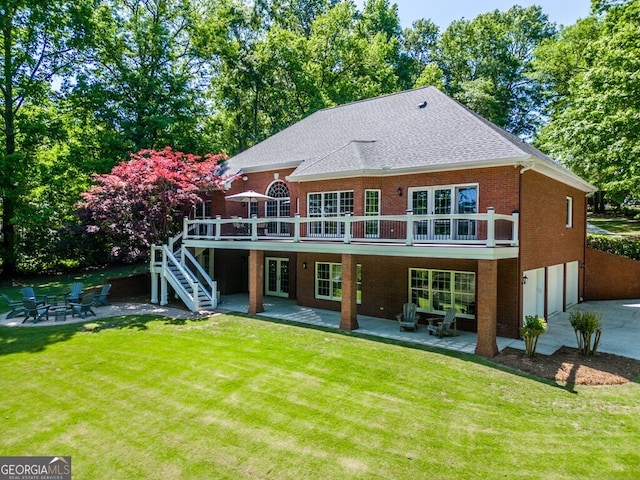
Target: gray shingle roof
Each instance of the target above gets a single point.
(387, 134)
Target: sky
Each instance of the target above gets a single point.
(443, 12)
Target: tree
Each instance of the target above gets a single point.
(142, 83)
(142, 201)
(487, 65)
(39, 41)
(592, 70)
(418, 46)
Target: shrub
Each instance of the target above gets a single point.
(587, 326)
(623, 247)
(533, 327)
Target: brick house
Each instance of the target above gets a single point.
(405, 197)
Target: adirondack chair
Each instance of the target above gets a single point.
(408, 319)
(76, 292)
(83, 308)
(16, 306)
(444, 327)
(35, 311)
(101, 299)
(29, 294)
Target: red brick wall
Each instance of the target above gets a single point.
(385, 286)
(544, 238)
(610, 277)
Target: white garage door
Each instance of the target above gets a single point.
(572, 283)
(555, 289)
(533, 293)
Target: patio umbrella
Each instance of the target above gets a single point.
(249, 197)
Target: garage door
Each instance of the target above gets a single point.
(533, 293)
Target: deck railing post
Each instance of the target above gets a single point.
(515, 226)
(254, 228)
(347, 228)
(491, 227)
(218, 227)
(296, 227)
(409, 241)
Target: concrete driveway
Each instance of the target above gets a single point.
(620, 329)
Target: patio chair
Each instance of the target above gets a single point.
(29, 294)
(444, 327)
(35, 311)
(83, 308)
(76, 292)
(101, 299)
(16, 306)
(409, 317)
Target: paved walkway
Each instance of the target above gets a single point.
(620, 318)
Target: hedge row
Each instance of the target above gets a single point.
(616, 245)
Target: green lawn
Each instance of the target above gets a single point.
(619, 225)
(57, 284)
(232, 397)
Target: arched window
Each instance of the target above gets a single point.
(281, 207)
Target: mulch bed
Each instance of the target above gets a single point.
(566, 366)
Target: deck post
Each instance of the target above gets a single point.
(409, 241)
(491, 227)
(296, 227)
(154, 287)
(256, 281)
(487, 311)
(349, 305)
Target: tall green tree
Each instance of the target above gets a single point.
(142, 83)
(592, 69)
(39, 41)
(487, 65)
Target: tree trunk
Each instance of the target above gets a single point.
(6, 177)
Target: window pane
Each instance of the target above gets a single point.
(420, 202)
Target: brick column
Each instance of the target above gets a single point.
(256, 281)
(487, 308)
(348, 309)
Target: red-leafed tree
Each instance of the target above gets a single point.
(142, 201)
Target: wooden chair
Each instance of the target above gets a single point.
(76, 292)
(101, 299)
(16, 306)
(444, 327)
(83, 308)
(409, 317)
(29, 294)
(35, 311)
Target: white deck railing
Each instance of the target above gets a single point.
(489, 229)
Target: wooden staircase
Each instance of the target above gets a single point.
(175, 266)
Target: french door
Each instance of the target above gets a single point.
(444, 201)
(277, 277)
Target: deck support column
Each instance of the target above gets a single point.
(487, 311)
(154, 287)
(349, 305)
(256, 281)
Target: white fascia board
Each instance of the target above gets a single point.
(383, 250)
(271, 168)
(563, 175)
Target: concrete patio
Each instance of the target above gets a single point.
(620, 318)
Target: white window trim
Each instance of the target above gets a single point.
(322, 215)
(331, 297)
(569, 212)
(452, 272)
(432, 188)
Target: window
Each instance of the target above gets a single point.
(444, 200)
(329, 204)
(437, 290)
(371, 208)
(569, 218)
(329, 281)
(280, 207)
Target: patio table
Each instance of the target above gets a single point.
(60, 312)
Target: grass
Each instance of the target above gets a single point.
(232, 397)
(619, 225)
(61, 283)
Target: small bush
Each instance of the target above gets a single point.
(533, 327)
(623, 247)
(587, 327)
